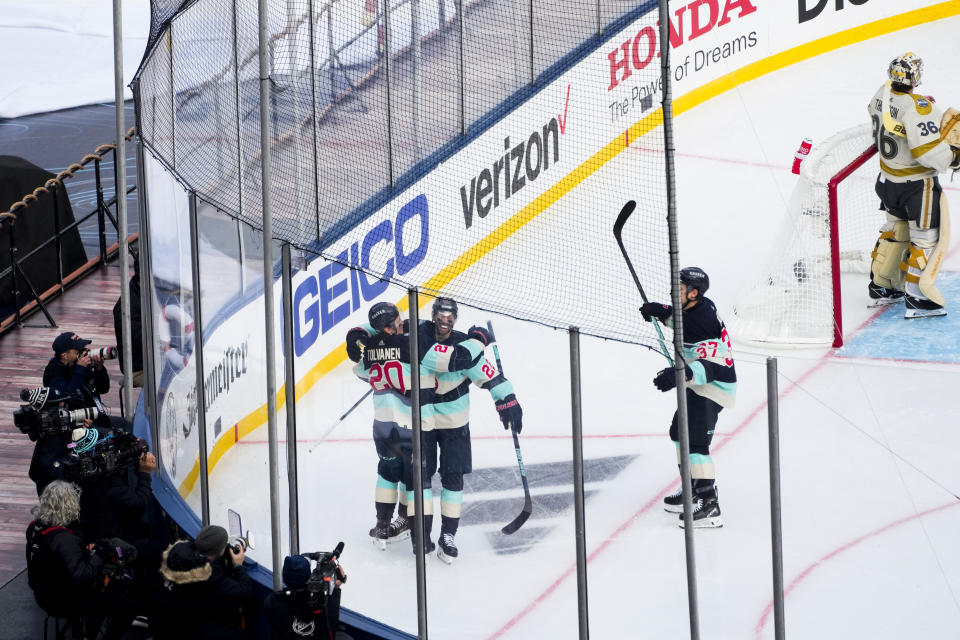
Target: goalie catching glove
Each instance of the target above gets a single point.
(511, 415)
(666, 379)
(355, 338)
(656, 310)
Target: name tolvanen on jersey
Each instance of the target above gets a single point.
(381, 354)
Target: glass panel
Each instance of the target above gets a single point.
(220, 270)
(172, 289)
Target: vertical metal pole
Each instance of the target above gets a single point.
(173, 105)
(417, 78)
(683, 426)
(599, 19)
(120, 192)
(236, 91)
(579, 511)
(776, 531)
(461, 102)
(198, 362)
(313, 120)
(533, 75)
(331, 57)
(14, 284)
(266, 172)
(101, 206)
(417, 465)
(290, 387)
(58, 240)
(387, 52)
(147, 311)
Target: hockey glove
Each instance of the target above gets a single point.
(354, 340)
(511, 415)
(656, 310)
(480, 334)
(666, 379)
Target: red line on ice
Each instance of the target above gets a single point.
(650, 504)
(812, 566)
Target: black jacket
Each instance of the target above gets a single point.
(198, 598)
(136, 330)
(61, 571)
(290, 616)
(114, 505)
(83, 384)
(50, 462)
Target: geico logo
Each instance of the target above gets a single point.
(512, 171)
(809, 14)
(704, 16)
(328, 297)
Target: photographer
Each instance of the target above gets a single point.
(79, 376)
(67, 577)
(114, 504)
(205, 589)
(305, 609)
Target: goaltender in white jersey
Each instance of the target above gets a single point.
(907, 129)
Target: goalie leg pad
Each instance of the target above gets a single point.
(922, 265)
(889, 252)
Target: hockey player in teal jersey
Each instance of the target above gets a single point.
(451, 414)
(383, 361)
(712, 385)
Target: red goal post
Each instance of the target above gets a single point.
(832, 222)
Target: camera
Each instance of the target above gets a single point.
(37, 420)
(118, 557)
(323, 578)
(105, 455)
(105, 353)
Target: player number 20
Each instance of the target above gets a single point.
(389, 375)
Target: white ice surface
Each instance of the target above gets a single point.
(869, 490)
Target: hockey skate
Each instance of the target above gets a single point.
(922, 308)
(428, 546)
(447, 550)
(674, 502)
(882, 296)
(706, 513)
(385, 532)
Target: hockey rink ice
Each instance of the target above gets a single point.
(868, 434)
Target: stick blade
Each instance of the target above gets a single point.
(625, 213)
(514, 526)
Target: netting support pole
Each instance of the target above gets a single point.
(418, 524)
(120, 192)
(387, 50)
(236, 91)
(313, 120)
(599, 19)
(533, 75)
(678, 359)
(147, 312)
(776, 530)
(461, 100)
(198, 363)
(290, 397)
(579, 510)
(269, 308)
(173, 102)
(417, 78)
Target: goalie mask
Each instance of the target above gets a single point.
(906, 70)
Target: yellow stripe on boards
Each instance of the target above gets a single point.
(540, 204)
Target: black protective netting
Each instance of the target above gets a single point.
(367, 99)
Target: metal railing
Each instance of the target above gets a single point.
(25, 305)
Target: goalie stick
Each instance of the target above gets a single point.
(517, 522)
(618, 234)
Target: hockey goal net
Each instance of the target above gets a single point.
(832, 224)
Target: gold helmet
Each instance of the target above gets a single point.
(906, 70)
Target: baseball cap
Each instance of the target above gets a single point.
(68, 340)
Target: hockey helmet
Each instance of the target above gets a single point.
(906, 70)
(445, 305)
(382, 315)
(695, 278)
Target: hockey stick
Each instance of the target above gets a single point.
(517, 522)
(339, 420)
(618, 234)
